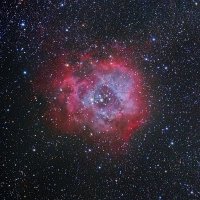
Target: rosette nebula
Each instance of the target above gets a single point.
(98, 95)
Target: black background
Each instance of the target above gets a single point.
(163, 159)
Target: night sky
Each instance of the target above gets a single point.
(45, 154)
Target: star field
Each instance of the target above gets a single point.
(161, 160)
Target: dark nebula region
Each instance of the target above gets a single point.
(96, 96)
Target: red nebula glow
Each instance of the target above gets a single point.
(97, 94)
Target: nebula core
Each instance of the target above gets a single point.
(96, 94)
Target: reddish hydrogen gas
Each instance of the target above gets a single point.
(98, 94)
